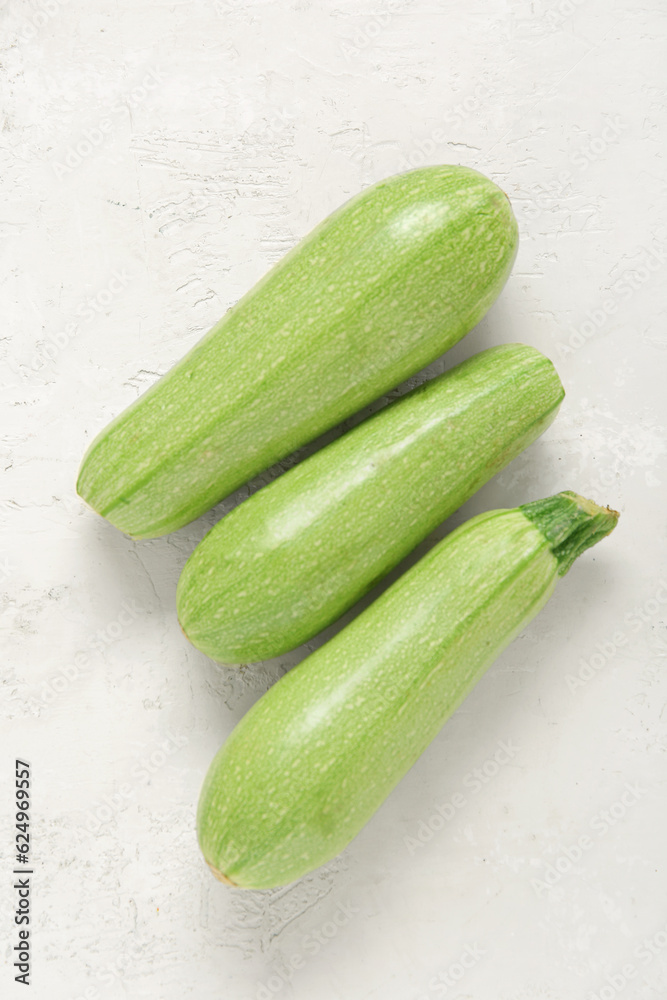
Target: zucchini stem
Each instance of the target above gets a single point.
(570, 523)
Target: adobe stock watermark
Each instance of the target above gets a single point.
(97, 304)
(43, 12)
(370, 30)
(425, 148)
(115, 972)
(548, 21)
(223, 7)
(635, 621)
(278, 121)
(81, 662)
(450, 978)
(547, 196)
(273, 128)
(622, 290)
(473, 782)
(595, 148)
(556, 16)
(311, 944)
(103, 811)
(93, 138)
(603, 821)
(6, 569)
(626, 456)
(644, 953)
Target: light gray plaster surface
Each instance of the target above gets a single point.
(157, 158)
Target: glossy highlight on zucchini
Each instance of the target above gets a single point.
(294, 556)
(313, 759)
(378, 290)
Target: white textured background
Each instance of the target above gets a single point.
(157, 157)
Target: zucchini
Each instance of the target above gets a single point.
(293, 557)
(378, 290)
(313, 759)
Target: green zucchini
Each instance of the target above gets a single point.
(293, 557)
(382, 287)
(313, 759)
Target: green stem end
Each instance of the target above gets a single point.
(570, 523)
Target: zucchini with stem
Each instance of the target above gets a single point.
(313, 759)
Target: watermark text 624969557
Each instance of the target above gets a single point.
(22, 949)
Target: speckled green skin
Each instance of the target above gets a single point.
(378, 290)
(293, 557)
(313, 759)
